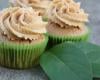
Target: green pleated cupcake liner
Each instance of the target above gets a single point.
(55, 39)
(45, 18)
(21, 56)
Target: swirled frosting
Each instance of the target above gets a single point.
(38, 5)
(67, 12)
(21, 23)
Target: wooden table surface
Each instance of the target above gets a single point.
(90, 6)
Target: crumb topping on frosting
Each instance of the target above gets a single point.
(38, 5)
(21, 23)
(67, 12)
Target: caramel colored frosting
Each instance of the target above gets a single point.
(38, 5)
(21, 23)
(67, 12)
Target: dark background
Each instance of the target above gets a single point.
(92, 7)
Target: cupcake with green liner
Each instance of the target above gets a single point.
(40, 6)
(22, 38)
(66, 22)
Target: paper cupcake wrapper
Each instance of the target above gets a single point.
(54, 39)
(21, 56)
(45, 18)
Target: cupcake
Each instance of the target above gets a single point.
(40, 6)
(66, 22)
(22, 38)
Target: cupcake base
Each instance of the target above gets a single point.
(21, 56)
(58, 35)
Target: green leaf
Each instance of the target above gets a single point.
(93, 53)
(66, 62)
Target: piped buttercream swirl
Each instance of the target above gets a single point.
(38, 5)
(21, 23)
(67, 12)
